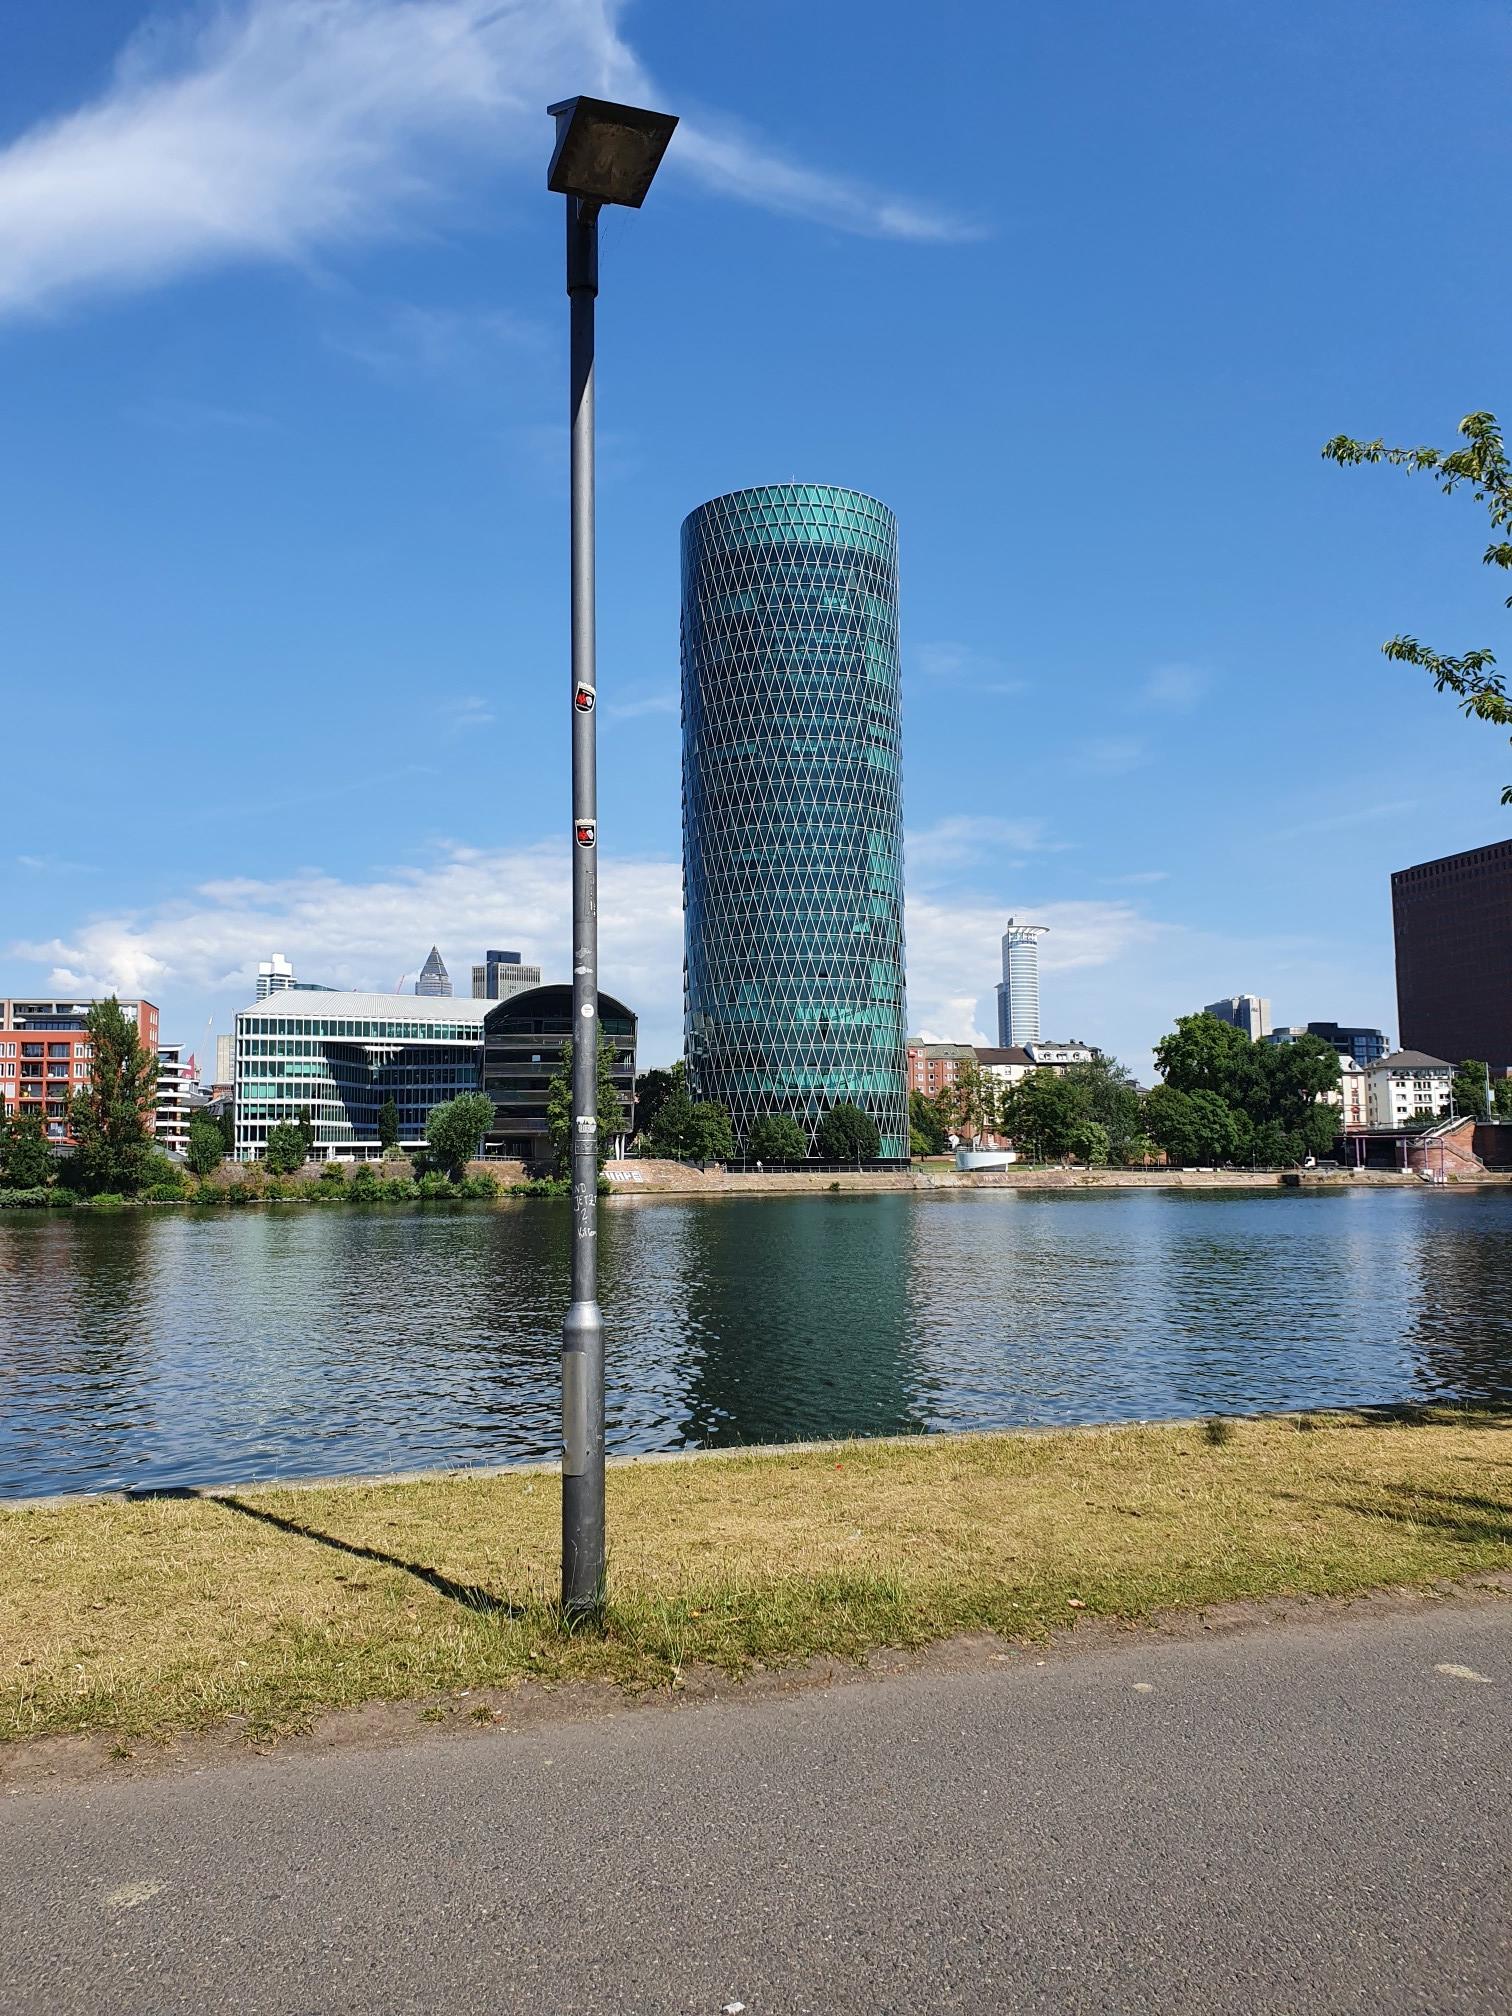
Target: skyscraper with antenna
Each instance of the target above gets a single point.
(1018, 990)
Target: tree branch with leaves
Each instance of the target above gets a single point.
(1483, 466)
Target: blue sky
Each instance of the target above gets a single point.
(1079, 291)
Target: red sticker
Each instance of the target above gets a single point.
(583, 699)
(587, 832)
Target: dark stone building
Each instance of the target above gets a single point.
(523, 1041)
(1453, 921)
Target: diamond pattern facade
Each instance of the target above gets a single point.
(793, 807)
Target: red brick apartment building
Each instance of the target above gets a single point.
(45, 1052)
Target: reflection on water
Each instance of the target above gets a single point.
(167, 1347)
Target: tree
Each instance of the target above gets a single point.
(1191, 1127)
(1468, 1092)
(207, 1147)
(1483, 466)
(971, 1100)
(1294, 1077)
(1501, 1093)
(611, 1111)
(1203, 1054)
(26, 1161)
(652, 1091)
(388, 1123)
(1106, 1094)
(227, 1125)
(111, 1116)
(710, 1137)
(777, 1137)
(285, 1151)
(454, 1130)
(926, 1127)
(304, 1120)
(846, 1134)
(1040, 1114)
(1089, 1142)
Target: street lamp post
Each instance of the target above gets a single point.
(604, 153)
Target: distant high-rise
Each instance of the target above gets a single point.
(274, 976)
(1249, 1012)
(434, 979)
(501, 975)
(1018, 990)
(792, 808)
(1453, 921)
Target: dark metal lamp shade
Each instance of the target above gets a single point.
(606, 153)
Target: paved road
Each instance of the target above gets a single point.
(1313, 1817)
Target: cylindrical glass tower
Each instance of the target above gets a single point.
(793, 808)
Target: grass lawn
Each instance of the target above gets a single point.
(165, 1614)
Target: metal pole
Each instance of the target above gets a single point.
(583, 1330)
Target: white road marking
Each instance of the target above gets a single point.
(1465, 1673)
(130, 1894)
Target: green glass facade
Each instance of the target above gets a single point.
(793, 807)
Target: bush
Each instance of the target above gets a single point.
(365, 1184)
(286, 1150)
(33, 1198)
(164, 1193)
(400, 1189)
(107, 1200)
(61, 1200)
(546, 1186)
(276, 1192)
(484, 1185)
(455, 1129)
(332, 1176)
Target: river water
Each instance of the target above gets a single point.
(172, 1347)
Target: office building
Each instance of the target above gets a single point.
(1018, 1002)
(434, 982)
(1453, 922)
(1249, 1012)
(340, 1057)
(276, 976)
(524, 1037)
(501, 975)
(792, 808)
(1365, 1046)
(225, 1061)
(1408, 1086)
(45, 1055)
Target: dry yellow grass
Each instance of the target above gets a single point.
(173, 1613)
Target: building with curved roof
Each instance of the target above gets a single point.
(524, 1038)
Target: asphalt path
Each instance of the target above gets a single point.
(1313, 1817)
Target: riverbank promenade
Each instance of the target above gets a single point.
(1304, 1814)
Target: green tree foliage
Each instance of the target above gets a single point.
(111, 1117)
(777, 1137)
(207, 1146)
(846, 1134)
(285, 1151)
(1469, 1088)
(1192, 1127)
(227, 1124)
(1106, 1095)
(388, 1123)
(1482, 465)
(611, 1108)
(454, 1130)
(1040, 1113)
(305, 1122)
(26, 1161)
(710, 1137)
(1272, 1092)
(1089, 1143)
(1501, 1097)
(652, 1091)
(927, 1132)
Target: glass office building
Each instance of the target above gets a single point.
(792, 807)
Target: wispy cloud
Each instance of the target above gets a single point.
(966, 837)
(1141, 878)
(1173, 689)
(279, 129)
(962, 665)
(647, 703)
(1357, 815)
(405, 340)
(50, 864)
(1110, 755)
(464, 714)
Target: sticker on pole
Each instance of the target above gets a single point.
(583, 697)
(587, 832)
(585, 1123)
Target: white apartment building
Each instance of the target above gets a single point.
(1353, 1095)
(177, 1098)
(1060, 1056)
(1408, 1085)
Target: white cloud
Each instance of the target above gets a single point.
(465, 713)
(1142, 878)
(405, 340)
(1110, 755)
(274, 129)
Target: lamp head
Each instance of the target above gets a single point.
(606, 153)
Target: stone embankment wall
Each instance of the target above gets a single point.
(667, 1179)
